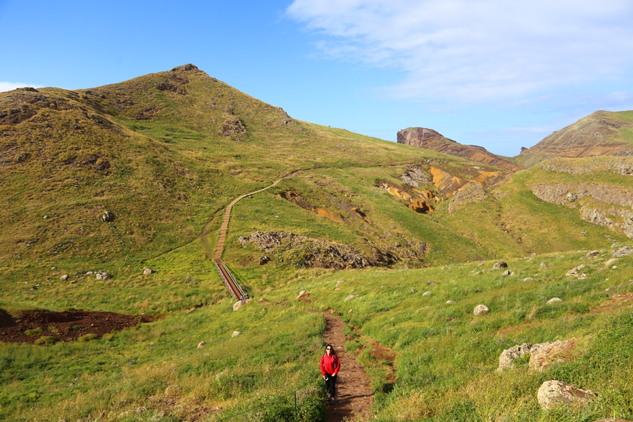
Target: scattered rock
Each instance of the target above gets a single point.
(623, 251)
(202, 344)
(481, 310)
(350, 311)
(141, 409)
(611, 262)
(554, 300)
(102, 275)
(582, 276)
(235, 333)
(264, 260)
(528, 279)
(107, 217)
(302, 295)
(613, 420)
(237, 305)
(89, 273)
(430, 283)
(574, 271)
(427, 293)
(148, 271)
(543, 266)
(553, 394)
(262, 300)
(338, 283)
(593, 253)
(546, 354)
(508, 356)
(64, 277)
(499, 265)
(350, 297)
(506, 273)
(450, 302)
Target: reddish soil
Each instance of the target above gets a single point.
(64, 326)
(354, 395)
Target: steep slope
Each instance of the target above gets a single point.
(600, 133)
(432, 140)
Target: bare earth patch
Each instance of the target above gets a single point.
(63, 326)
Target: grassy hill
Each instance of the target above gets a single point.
(160, 156)
(601, 133)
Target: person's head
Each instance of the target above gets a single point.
(329, 349)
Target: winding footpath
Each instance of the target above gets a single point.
(227, 217)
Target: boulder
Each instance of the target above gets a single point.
(237, 305)
(481, 310)
(350, 297)
(302, 295)
(102, 275)
(235, 333)
(554, 300)
(64, 277)
(499, 265)
(426, 294)
(506, 273)
(546, 354)
(508, 356)
(202, 344)
(623, 251)
(107, 217)
(148, 271)
(593, 253)
(574, 271)
(553, 394)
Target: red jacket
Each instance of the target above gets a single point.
(330, 364)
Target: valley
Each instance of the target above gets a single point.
(397, 241)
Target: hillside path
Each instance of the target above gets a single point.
(227, 217)
(354, 395)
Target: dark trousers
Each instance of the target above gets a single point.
(330, 384)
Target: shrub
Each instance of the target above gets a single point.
(45, 340)
(34, 332)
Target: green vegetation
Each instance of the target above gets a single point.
(165, 153)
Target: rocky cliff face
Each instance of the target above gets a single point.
(601, 133)
(430, 139)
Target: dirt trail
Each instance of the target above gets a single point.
(354, 395)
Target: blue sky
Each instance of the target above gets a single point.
(496, 73)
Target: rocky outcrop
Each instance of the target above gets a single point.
(598, 134)
(618, 165)
(317, 253)
(468, 193)
(508, 356)
(417, 200)
(604, 204)
(554, 394)
(415, 176)
(430, 139)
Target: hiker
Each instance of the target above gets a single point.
(330, 366)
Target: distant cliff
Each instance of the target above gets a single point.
(430, 139)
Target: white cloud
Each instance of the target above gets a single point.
(475, 51)
(10, 86)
